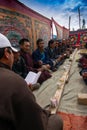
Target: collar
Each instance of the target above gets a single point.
(2, 65)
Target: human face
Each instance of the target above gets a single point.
(41, 45)
(9, 57)
(64, 41)
(53, 45)
(57, 44)
(25, 47)
(16, 55)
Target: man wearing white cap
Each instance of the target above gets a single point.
(6, 48)
(18, 107)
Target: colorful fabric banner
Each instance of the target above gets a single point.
(78, 38)
(18, 21)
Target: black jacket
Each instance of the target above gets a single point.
(19, 67)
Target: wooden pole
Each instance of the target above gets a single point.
(52, 27)
(79, 18)
(69, 22)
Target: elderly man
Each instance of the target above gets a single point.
(18, 107)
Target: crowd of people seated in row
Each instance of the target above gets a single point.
(83, 64)
(18, 107)
(44, 59)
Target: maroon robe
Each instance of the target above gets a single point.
(30, 67)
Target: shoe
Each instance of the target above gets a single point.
(35, 86)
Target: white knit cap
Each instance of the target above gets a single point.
(4, 42)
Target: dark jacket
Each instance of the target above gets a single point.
(37, 55)
(57, 52)
(18, 107)
(19, 67)
(30, 67)
(51, 53)
(28, 61)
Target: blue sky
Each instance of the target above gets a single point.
(60, 10)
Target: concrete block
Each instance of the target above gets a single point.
(82, 98)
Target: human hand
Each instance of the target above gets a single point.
(40, 62)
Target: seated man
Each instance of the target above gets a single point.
(18, 107)
(58, 52)
(51, 53)
(83, 60)
(83, 64)
(19, 67)
(25, 53)
(69, 46)
(83, 73)
(65, 49)
(39, 56)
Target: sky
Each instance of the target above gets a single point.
(61, 10)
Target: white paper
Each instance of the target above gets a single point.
(32, 77)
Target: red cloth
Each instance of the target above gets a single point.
(83, 62)
(73, 122)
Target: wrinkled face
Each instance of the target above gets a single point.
(25, 47)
